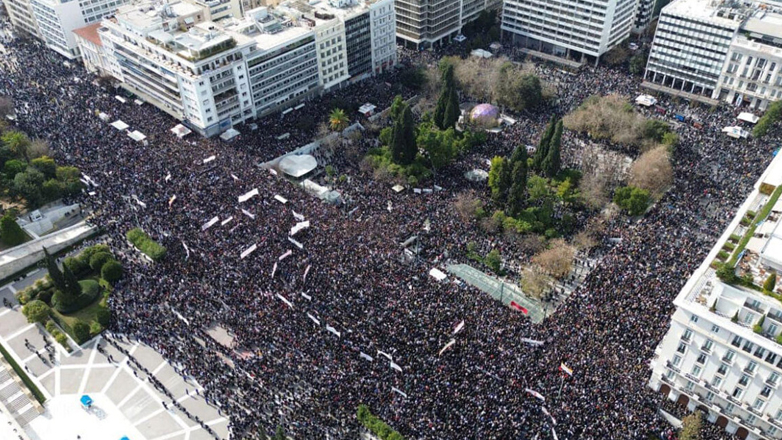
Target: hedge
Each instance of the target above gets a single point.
(772, 115)
(25, 378)
(376, 426)
(143, 243)
(751, 230)
(90, 290)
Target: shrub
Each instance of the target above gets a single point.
(103, 315)
(36, 311)
(88, 252)
(376, 426)
(98, 260)
(90, 290)
(81, 332)
(766, 188)
(111, 271)
(493, 260)
(722, 255)
(10, 232)
(770, 282)
(729, 246)
(772, 115)
(61, 339)
(727, 274)
(77, 265)
(145, 244)
(735, 238)
(631, 199)
(95, 328)
(46, 295)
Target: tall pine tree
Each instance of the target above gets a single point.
(54, 271)
(518, 191)
(451, 115)
(403, 145)
(72, 286)
(499, 179)
(552, 162)
(446, 87)
(542, 151)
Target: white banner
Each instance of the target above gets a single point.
(397, 390)
(209, 159)
(210, 223)
(298, 216)
(187, 251)
(248, 214)
(247, 196)
(385, 354)
(285, 300)
(446, 347)
(306, 271)
(285, 255)
(280, 199)
(459, 327)
(273, 171)
(274, 269)
(299, 226)
(248, 251)
(314, 319)
(332, 330)
(309, 298)
(545, 411)
(171, 200)
(225, 222)
(554, 434)
(298, 245)
(531, 342)
(366, 356)
(395, 366)
(535, 394)
(234, 177)
(168, 177)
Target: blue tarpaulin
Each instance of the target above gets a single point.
(86, 400)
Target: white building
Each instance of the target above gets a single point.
(752, 72)
(559, 28)
(644, 14)
(422, 23)
(53, 21)
(722, 353)
(215, 75)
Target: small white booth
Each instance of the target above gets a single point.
(646, 100)
(748, 117)
(120, 125)
(229, 134)
(181, 131)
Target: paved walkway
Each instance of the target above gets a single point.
(126, 403)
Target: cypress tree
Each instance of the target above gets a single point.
(54, 271)
(445, 96)
(542, 150)
(403, 146)
(72, 286)
(518, 189)
(553, 161)
(451, 115)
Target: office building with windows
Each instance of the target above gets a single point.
(213, 75)
(723, 352)
(424, 23)
(562, 28)
(644, 14)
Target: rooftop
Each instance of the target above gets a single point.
(721, 12)
(765, 23)
(90, 33)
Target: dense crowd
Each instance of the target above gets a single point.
(343, 321)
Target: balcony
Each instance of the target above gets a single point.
(727, 360)
(772, 384)
(749, 371)
(706, 349)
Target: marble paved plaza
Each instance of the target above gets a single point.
(126, 403)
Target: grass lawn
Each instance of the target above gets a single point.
(87, 315)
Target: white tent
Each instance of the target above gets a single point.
(119, 125)
(181, 131)
(480, 53)
(121, 99)
(398, 188)
(735, 132)
(748, 117)
(103, 116)
(136, 135)
(138, 102)
(645, 100)
(367, 109)
(297, 166)
(229, 134)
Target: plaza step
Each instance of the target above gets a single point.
(27, 416)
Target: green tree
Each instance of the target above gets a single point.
(46, 165)
(36, 311)
(98, 259)
(72, 286)
(638, 63)
(29, 185)
(451, 115)
(493, 260)
(17, 142)
(772, 115)
(499, 179)
(13, 167)
(770, 282)
(111, 271)
(396, 107)
(403, 146)
(727, 274)
(518, 189)
(81, 331)
(103, 315)
(553, 161)
(279, 434)
(447, 86)
(691, 427)
(338, 120)
(440, 146)
(52, 189)
(542, 150)
(54, 271)
(67, 174)
(10, 232)
(631, 199)
(538, 189)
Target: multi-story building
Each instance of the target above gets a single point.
(752, 72)
(691, 43)
(91, 48)
(644, 14)
(423, 23)
(213, 75)
(723, 352)
(53, 21)
(588, 29)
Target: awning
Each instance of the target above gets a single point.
(735, 132)
(181, 131)
(748, 117)
(367, 109)
(86, 400)
(103, 116)
(297, 166)
(119, 125)
(398, 188)
(229, 134)
(137, 136)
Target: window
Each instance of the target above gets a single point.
(736, 342)
(773, 378)
(669, 374)
(766, 391)
(771, 430)
(751, 366)
(729, 408)
(729, 356)
(779, 415)
(722, 370)
(709, 396)
(682, 348)
(744, 380)
(694, 318)
(716, 382)
(737, 392)
(708, 345)
(715, 329)
(701, 359)
(689, 386)
(696, 371)
(751, 419)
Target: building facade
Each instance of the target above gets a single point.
(644, 14)
(215, 75)
(20, 12)
(424, 23)
(588, 29)
(722, 354)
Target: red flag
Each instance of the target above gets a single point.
(518, 307)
